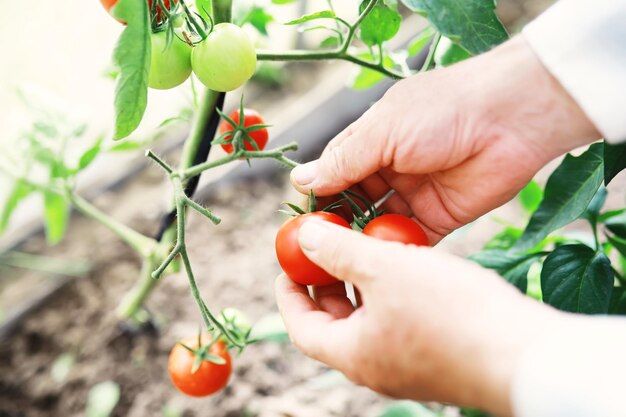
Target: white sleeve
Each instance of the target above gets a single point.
(583, 44)
(579, 371)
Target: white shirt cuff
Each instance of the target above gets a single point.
(583, 44)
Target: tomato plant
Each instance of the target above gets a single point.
(226, 59)
(291, 258)
(109, 4)
(396, 228)
(199, 369)
(251, 119)
(170, 64)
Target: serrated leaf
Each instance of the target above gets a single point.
(407, 409)
(132, 57)
(569, 191)
(20, 191)
(89, 155)
(530, 197)
(380, 25)
(471, 23)
(324, 14)
(56, 215)
(102, 399)
(420, 41)
(575, 278)
(614, 160)
(511, 266)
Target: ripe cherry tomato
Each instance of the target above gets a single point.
(209, 377)
(169, 66)
(251, 117)
(397, 228)
(226, 59)
(109, 4)
(291, 258)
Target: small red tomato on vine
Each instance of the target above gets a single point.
(396, 228)
(291, 258)
(209, 377)
(250, 118)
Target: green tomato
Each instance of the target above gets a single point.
(449, 53)
(169, 66)
(226, 59)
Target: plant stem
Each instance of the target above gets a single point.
(142, 244)
(431, 53)
(133, 300)
(302, 55)
(355, 25)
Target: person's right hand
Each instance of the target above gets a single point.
(454, 143)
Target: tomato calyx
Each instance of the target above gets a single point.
(201, 353)
(238, 328)
(239, 135)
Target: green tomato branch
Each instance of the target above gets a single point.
(341, 53)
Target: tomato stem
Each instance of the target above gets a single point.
(431, 53)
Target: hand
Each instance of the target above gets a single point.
(454, 143)
(432, 326)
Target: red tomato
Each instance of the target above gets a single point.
(109, 4)
(397, 228)
(251, 117)
(209, 377)
(291, 258)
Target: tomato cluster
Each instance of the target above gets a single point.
(392, 227)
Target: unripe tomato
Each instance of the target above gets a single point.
(396, 228)
(291, 258)
(169, 66)
(226, 59)
(208, 378)
(251, 117)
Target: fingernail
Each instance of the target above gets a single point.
(311, 235)
(304, 174)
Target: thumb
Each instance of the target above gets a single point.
(346, 254)
(349, 158)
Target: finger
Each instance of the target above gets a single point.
(317, 333)
(352, 157)
(346, 254)
(334, 300)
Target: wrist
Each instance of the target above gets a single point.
(532, 104)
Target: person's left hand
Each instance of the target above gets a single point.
(432, 326)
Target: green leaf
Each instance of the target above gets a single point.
(20, 191)
(597, 202)
(569, 191)
(577, 279)
(330, 42)
(617, 224)
(102, 399)
(407, 409)
(511, 266)
(269, 328)
(614, 160)
(132, 57)
(448, 53)
(530, 197)
(381, 24)
(618, 301)
(283, 1)
(62, 366)
(420, 41)
(504, 239)
(56, 215)
(259, 19)
(324, 14)
(89, 155)
(367, 78)
(473, 24)
(618, 243)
